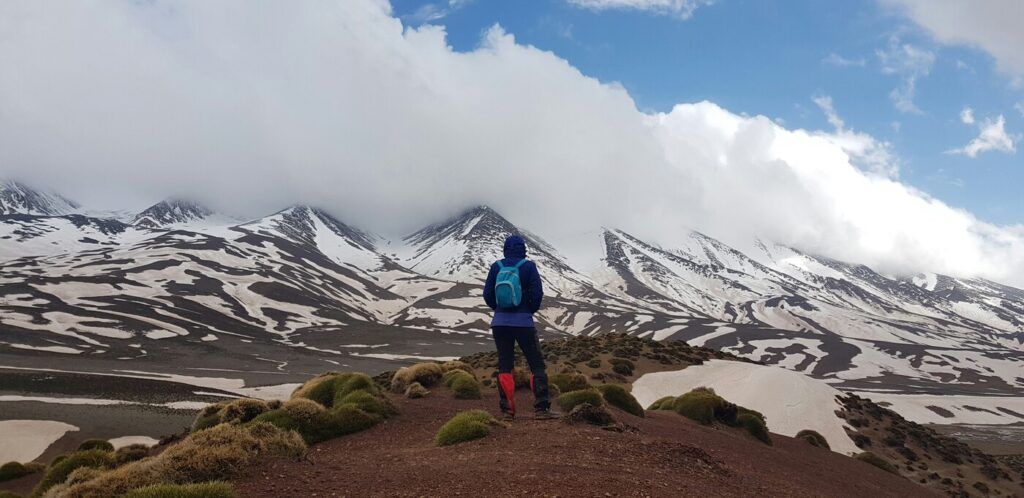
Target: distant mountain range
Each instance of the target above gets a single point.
(75, 284)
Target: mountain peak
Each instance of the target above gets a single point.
(170, 212)
(19, 198)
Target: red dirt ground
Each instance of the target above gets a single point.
(666, 455)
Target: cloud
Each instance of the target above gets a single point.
(834, 59)
(682, 9)
(1019, 106)
(430, 12)
(337, 104)
(910, 63)
(992, 25)
(967, 116)
(864, 150)
(991, 136)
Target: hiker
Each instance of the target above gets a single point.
(513, 290)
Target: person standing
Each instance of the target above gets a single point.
(514, 291)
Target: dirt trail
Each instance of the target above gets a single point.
(666, 455)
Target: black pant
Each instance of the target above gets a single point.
(505, 339)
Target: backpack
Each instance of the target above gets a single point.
(508, 290)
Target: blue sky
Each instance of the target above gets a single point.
(772, 58)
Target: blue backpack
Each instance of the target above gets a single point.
(508, 290)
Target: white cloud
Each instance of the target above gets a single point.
(1020, 107)
(338, 104)
(864, 150)
(683, 9)
(834, 59)
(430, 12)
(991, 136)
(910, 63)
(967, 116)
(991, 25)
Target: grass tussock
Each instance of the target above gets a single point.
(8, 494)
(569, 400)
(705, 406)
(873, 459)
(569, 381)
(236, 411)
(618, 397)
(331, 406)
(200, 490)
(427, 374)
(218, 453)
(465, 426)
(58, 472)
(663, 403)
(813, 438)
(465, 385)
(96, 444)
(416, 391)
(14, 470)
(456, 365)
(130, 453)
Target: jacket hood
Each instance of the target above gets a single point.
(515, 247)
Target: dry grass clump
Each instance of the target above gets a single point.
(427, 374)
(569, 381)
(416, 391)
(220, 452)
(617, 396)
(200, 490)
(465, 426)
(14, 470)
(463, 384)
(813, 438)
(456, 365)
(236, 411)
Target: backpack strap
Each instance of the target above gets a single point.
(520, 263)
(501, 266)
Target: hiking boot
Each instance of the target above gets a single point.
(507, 417)
(546, 415)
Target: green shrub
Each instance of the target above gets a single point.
(465, 426)
(704, 406)
(616, 396)
(59, 471)
(463, 384)
(8, 494)
(755, 426)
(622, 366)
(96, 444)
(813, 438)
(877, 461)
(201, 490)
(14, 470)
(747, 411)
(594, 363)
(321, 425)
(567, 382)
(572, 398)
(663, 403)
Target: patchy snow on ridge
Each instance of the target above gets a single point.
(789, 400)
(25, 440)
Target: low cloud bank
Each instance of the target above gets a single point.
(254, 105)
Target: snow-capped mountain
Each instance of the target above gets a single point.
(171, 212)
(301, 279)
(19, 198)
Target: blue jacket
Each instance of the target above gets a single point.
(533, 291)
